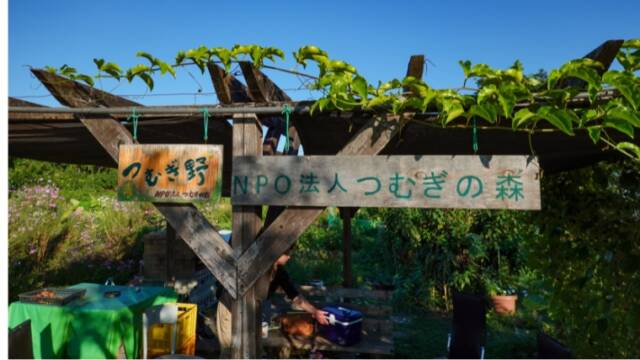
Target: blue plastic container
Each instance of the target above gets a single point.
(345, 326)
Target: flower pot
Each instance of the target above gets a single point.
(504, 304)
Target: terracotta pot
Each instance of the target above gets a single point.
(504, 304)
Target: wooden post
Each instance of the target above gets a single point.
(170, 247)
(347, 275)
(247, 221)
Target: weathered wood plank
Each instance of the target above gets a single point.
(261, 88)
(439, 181)
(415, 68)
(228, 88)
(189, 224)
(19, 102)
(286, 229)
(247, 221)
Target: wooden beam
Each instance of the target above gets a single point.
(261, 88)
(189, 224)
(18, 102)
(228, 89)
(247, 221)
(293, 221)
(416, 66)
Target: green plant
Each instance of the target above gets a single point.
(588, 289)
(503, 98)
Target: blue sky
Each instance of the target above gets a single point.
(376, 37)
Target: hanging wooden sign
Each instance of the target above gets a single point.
(443, 181)
(169, 173)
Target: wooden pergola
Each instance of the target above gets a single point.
(86, 138)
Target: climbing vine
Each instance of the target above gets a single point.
(500, 97)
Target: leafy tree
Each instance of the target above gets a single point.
(587, 259)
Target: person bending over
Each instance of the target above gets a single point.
(276, 278)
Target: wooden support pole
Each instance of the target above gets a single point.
(346, 213)
(170, 250)
(247, 221)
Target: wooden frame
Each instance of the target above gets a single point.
(237, 267)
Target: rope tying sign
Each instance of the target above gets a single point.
(205, 120)
(134, 121)
(475, 137)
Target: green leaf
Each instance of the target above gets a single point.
(85, 78)
(147, 56)
(631, 43)
(521, 117)
(624, 113)
(585, 69)
(507, 99)
(99, 63)
(627, 84)
(113, 70)
(51, 69)
(341, 66)
(180, 57)
(360, 86)
(627, 146)
(66, 70)
(147, 79)
(553, 78)
(452, 108)
(320, 104)
(619, 124)
(481, 70)
(487, 93)
(379, 100)
(309, 52)
(224, 55)
(594, 133)
(466, 67)
(486, 111)
(560, 118)
(164, 68)
(590, 115)
(137, 69)
(629, 55)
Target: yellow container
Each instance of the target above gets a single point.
(160, 334)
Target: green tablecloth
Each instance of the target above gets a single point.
(91, 327)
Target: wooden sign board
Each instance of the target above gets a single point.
(169, 173)
(471, 182)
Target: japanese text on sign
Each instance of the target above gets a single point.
(169, 173)
(388, 181)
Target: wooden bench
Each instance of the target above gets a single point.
(377, 327)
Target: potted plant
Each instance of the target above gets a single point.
(503, 297)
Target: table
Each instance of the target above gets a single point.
(91, 327)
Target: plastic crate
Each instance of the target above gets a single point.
(160, 334)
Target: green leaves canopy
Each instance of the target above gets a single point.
(502, 95)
